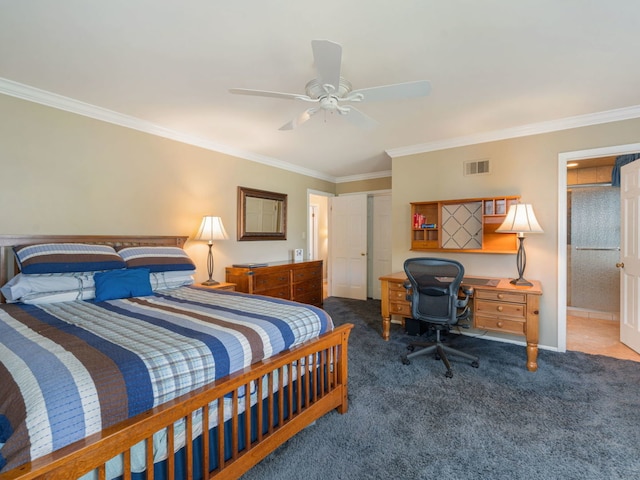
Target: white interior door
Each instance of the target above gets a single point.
(348, 256)
(630, 255)
(381, 242)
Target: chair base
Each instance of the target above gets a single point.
(440, 351)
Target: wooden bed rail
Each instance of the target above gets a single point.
(314, 395)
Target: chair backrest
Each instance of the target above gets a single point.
(434, 288)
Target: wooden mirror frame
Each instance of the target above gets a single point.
(243, 234)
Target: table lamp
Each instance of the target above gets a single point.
(520, 219)
(211, 229)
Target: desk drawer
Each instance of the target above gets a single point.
(500, 296)
(500, 309)
(398, 296)
(400, 308)
(397, 286)
(499, 324)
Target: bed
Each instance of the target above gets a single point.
(240, 375)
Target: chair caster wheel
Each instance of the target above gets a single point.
(405, 360)
(475, 364)
(437, 357)
(411, 348)
(449, 374)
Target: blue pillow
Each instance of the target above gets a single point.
(116, 284)
(157, 259)
(66, 257)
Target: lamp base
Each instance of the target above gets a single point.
(210, 282)
(521, 282)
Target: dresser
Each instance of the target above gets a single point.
(497, 306)
(298, 281)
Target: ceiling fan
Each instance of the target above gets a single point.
(329, 91)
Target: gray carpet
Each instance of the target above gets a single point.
(577, 417)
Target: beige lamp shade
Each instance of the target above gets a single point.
(520, 219)
(211, 229)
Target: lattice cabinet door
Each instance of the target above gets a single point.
(462, 225)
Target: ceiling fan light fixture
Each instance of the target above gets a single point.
(316, 90)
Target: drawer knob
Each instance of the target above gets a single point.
(499, 324)
(499, 308)
(500, 296)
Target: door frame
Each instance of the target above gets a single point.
(318, 193)
(563, 159)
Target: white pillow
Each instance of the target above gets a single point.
(55, 297)
(22, 285)
(49, 288)
(171, 279)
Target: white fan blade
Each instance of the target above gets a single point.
(396, 91)
(264, 93)
(359, 119)
(328, 57)
(299, 120)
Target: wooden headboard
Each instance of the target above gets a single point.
(8, 266)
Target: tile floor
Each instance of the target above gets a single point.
(597, 336)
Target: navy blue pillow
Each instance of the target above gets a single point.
(66, 257)
(122, 284)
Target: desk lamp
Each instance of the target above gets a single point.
(211, 229)
(520, 219)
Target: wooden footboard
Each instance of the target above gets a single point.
(317, 370)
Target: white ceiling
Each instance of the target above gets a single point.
(493, 65)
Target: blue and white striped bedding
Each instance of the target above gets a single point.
(70, 369)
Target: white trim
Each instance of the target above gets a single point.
(36, 95)
(608, 116)
(366, 176)
(370, 193)
(563, 159)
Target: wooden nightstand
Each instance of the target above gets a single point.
(221, 286)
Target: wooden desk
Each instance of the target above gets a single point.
(501, 308)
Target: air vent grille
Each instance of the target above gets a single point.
(477, 167)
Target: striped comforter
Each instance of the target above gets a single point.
(70, 369)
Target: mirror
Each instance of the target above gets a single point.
(262, 215)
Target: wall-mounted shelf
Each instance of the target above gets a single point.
(465, 225)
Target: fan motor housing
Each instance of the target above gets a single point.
(316, 90)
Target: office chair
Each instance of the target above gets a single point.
(433, 287)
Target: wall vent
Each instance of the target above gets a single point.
(476, 167)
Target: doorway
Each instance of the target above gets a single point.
(318, 232)
(378, 236)
(589, 225)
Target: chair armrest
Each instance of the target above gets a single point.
(463, 302)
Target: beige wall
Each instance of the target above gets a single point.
(526, 166)
(63, 173)
(371, 185)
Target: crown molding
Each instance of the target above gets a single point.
(60, 102)
(364, 176)
(608, 116)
